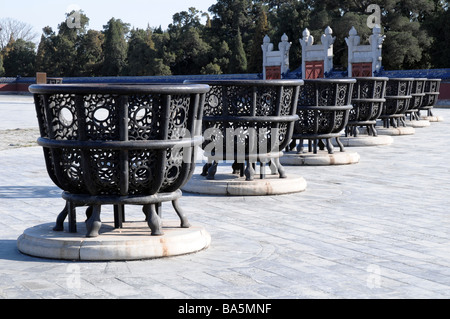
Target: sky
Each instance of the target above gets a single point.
(138, 13)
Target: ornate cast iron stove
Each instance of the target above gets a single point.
(398, 98)
(119, 145)
(417, 93)
(323, 108)
(432, 91)
(248, 122)
(368, 101)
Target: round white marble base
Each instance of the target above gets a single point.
(418, 123)
(433, 118)
(234, 185)
(366, 140)
(394, 131)
(133, 242)
(322, 158)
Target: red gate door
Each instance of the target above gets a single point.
(273, 72)
(314, 70)
(362, 69)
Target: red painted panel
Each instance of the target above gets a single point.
(273, 72)
(314, 70)
(362, 69)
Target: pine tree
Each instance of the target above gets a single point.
(262, 29)
(141, 53)
(238, 62)
(115, 47)
(20, 59)
(90, 53)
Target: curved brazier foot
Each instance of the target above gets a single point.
(153, 219)
(205, 169)
(93, 224)
(300, 146)
(280, 168)
(340, 144)
(292, 145)
(89, 211)
(273, 168)
(61, 218)
(250, 172)
(329, 146)
(184, 221)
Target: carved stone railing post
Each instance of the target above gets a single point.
(364, 60)
(317, 59)
(275, 63)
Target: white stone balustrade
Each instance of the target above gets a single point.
(371, 53)
(278, 59)
(317, 52)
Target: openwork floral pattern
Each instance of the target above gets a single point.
(103, 118)
(323, 110)
(223, 102)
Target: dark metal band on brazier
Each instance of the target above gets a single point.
(119, 144)
(248, 122)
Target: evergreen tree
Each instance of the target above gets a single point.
(186, 41)
(255, 62)
(163, 56)
(115, 48)
(141, 53)
(45, 52)
(90, 53)
(238, 62)
(233, 22)
(19, 59)
(58, 53)
(437, 25)
(2, 69)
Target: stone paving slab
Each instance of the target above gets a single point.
(376, 229)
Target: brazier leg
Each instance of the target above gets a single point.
(273, 168)
(61, 218)
(119, 212)
(374, 130)
(184, 221)
(321, 144)
(262, 169)
(300, 146)
(72, 218)
(94, 223)
(153, 220)
(292, 145)
(205, 169)
(280, 168)
(212, 171)
(330, 147)
(89, 211)
(250, 172)
(341, 146)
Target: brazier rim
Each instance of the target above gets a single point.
(119, 89)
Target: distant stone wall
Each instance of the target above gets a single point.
(20, 85)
